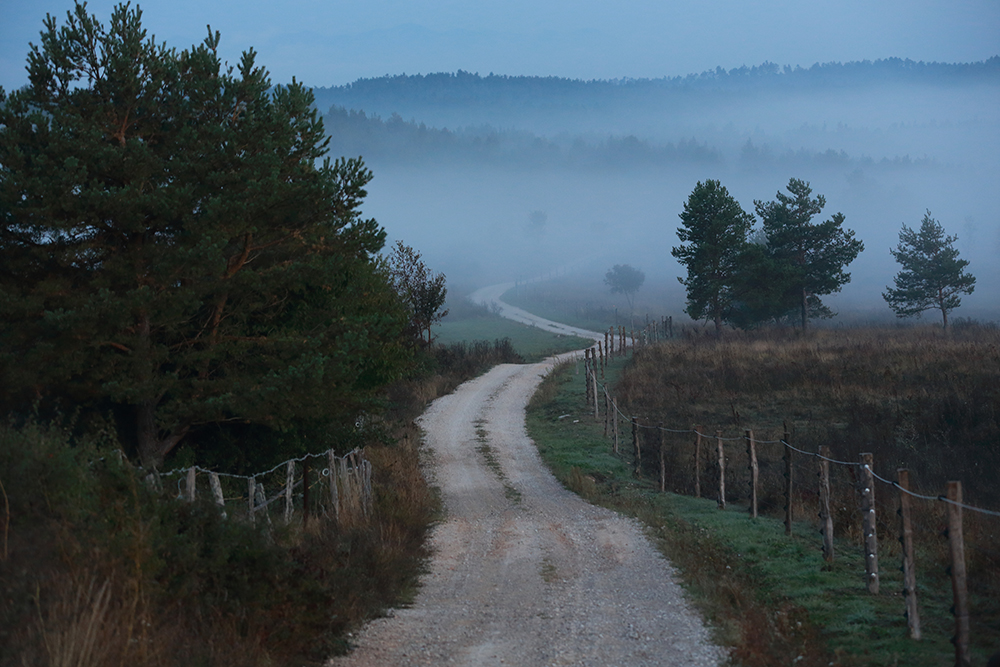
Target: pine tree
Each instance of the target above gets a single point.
(815, 254)
(932, 275)
(713, 238)
(173, 248)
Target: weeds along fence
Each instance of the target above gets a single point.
(770, 474)
(321, 484)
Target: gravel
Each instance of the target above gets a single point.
(524, 572)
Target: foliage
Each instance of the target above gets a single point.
(187, 586)
(713, 238)
(812, 255)
(173, 251)
(624, 279)
(422, 292)
(932, 275)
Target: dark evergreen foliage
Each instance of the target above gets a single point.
(932, 275)
(713, 240)
(173, 249)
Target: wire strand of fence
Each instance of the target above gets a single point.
(325, 473)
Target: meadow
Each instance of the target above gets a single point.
(912, 397)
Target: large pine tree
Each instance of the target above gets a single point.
(173, 247)
(812, 255)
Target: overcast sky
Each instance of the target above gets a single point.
(332, 42)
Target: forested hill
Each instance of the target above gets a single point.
(409, 94)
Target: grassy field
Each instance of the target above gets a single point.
(771, 597)
(471, 323)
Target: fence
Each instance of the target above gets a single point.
(336, 486)
(682, 458)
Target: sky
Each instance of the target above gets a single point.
(333, 42)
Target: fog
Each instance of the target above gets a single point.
(881, 154)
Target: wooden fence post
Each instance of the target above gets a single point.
(189, 488)
(586, 376)
(260, 500)
(825, 517)
(697, 461)
(593, 379)
(722, 471)
(636, 452)
(607, 412)
(868, 523)
(788, 484)
(213, 480)
(334, 495)
(912, 613)
(305, 492)
(663, 463)
(754, 471)
(251, 495)
(601, 351)
(614, 421)
(960, 593)
(289, 482)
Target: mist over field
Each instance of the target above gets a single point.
(496, 179)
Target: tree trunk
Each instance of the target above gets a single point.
(153, 448)
(805, 308)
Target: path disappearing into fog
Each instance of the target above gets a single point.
(523, 572)
(490, 296)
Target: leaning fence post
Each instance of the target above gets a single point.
(697, 461)
(960, 593)
(868, 523)
(912, 613)
(825, 517)
(637, 453)
(788, 483)
(754, 472)
(289, 482)
(213, 479)
(722, 471)
(189, 489)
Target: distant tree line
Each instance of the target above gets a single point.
(466, 89)
(748, 277)
(357, 133)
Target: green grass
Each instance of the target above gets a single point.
(769, 597)
(532, 343)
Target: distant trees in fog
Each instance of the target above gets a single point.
(932, 275)
(777, 273)
(625, 279)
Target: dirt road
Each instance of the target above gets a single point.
(524, 572)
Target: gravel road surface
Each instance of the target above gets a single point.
(524, 572)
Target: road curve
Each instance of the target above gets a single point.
(490, 296)
(524, 572)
